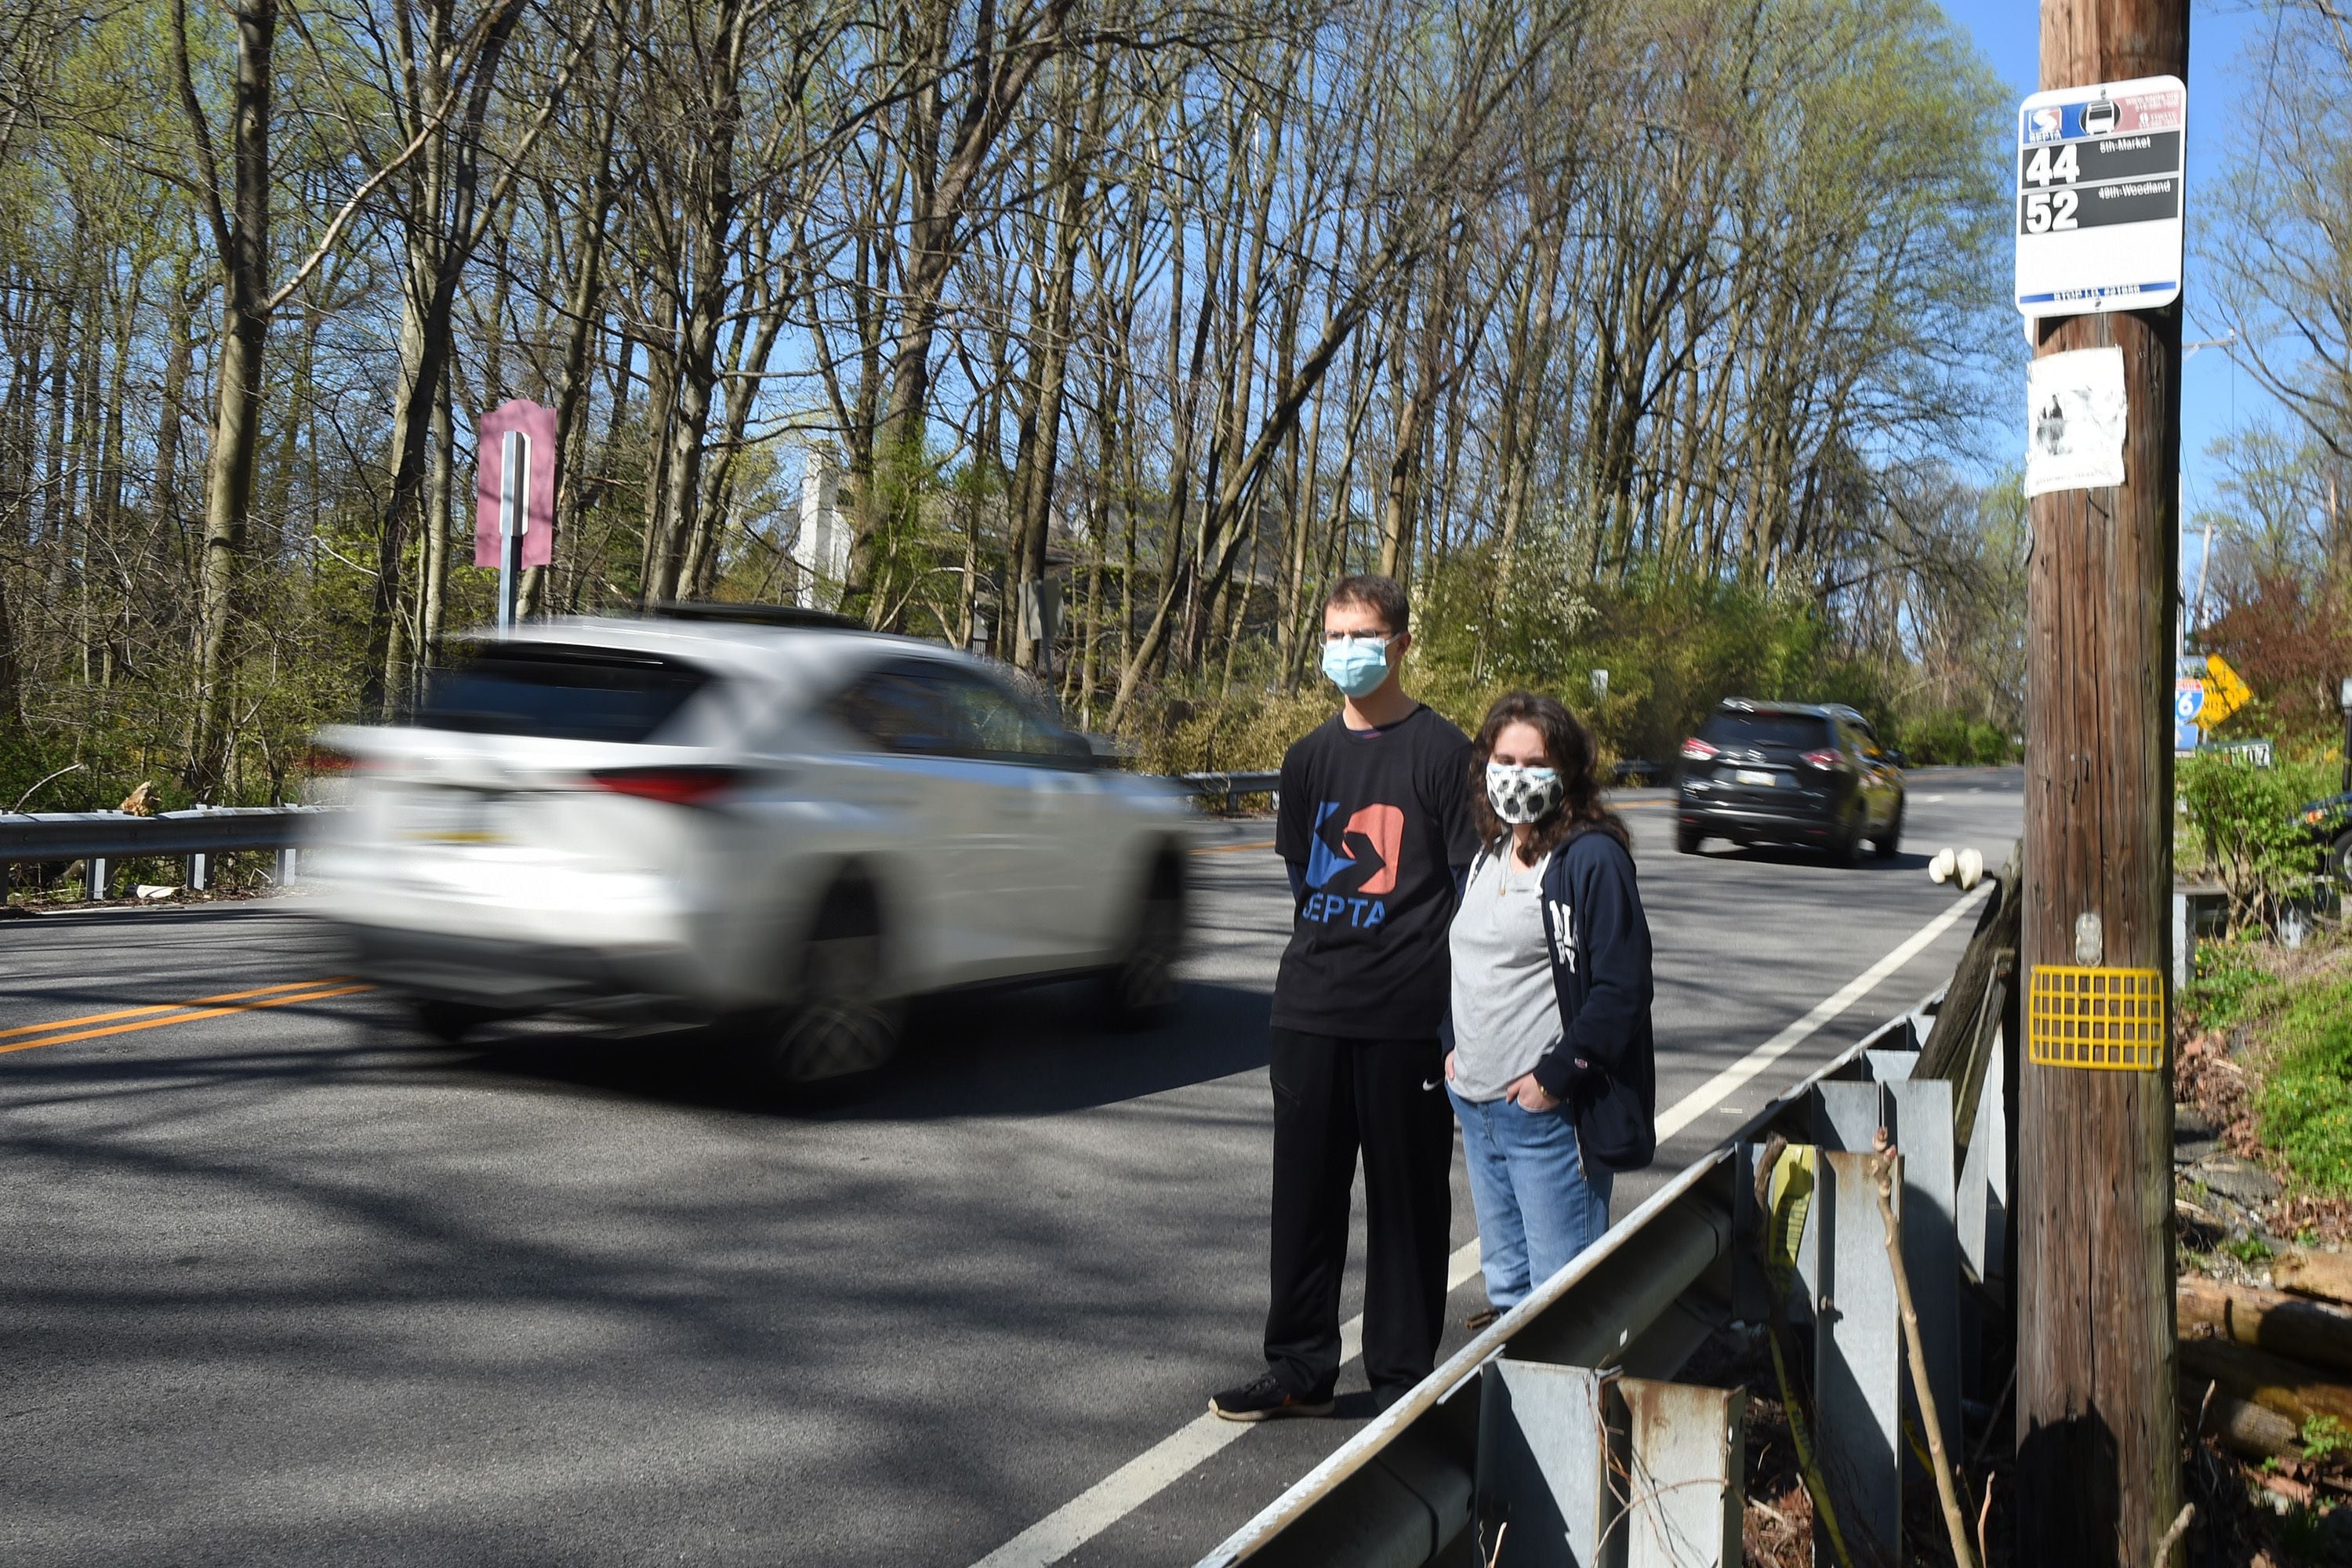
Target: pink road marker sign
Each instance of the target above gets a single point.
(536, 426)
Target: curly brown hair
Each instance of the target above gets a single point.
(1568, 744)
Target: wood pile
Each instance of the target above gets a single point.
(2264, 1365)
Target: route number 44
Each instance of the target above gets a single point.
(2065, 167)
(2046, 210)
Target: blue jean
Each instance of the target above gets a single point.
(1537, 1206)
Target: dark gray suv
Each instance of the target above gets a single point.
(1788, 772)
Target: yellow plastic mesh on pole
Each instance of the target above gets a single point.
(2106, 1018)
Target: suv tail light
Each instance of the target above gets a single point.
(671, 787)
(325, 762)
(1823, 759)
(1697, 751)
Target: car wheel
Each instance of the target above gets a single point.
(1848, 842)
(448, 1022)
(2339, 860)
(1688, 839)
(1140, 989)
(840, 1023)
(1890, 842)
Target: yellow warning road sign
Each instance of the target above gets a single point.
(2224, 692)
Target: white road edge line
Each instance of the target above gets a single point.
(1149, 1473)
(1707, 1095)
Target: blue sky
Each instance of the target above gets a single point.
(2213, 392)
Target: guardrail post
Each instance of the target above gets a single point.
(289, 864)
(1545, 1448)
(1923, 1124)
(1685, 1500)
(100, 883)
(1979, 1208)
(1858, 1363)
(199, 871)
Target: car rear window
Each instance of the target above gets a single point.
(560, 694)
(1800, 731)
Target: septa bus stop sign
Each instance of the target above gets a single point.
(2099, 196)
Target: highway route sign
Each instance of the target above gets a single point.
(2099, 196)
(2187, 707)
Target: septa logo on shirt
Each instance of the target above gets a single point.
(1369, 841)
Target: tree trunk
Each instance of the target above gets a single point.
(236, 415)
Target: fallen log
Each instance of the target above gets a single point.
(2291, 1326)
(2327, 1275)
(2242, 1427)
(2294, 1391)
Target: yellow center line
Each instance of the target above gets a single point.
(1234, 848)
(330, 986)
(167, 1006)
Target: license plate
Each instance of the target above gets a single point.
(1754, 776)
(449, 817)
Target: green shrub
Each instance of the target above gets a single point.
(1951, 738)
(2305, 1110)
(2245, 817)
(2227, 985)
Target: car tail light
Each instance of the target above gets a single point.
(1822, 758)
(325, 762)
(671, 787)
(1697, 751)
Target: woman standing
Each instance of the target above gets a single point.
(1551, 1072)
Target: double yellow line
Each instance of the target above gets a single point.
(90, 1026)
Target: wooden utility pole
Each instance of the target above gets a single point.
(2098, 1440)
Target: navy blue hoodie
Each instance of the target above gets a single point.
(1605, 1064)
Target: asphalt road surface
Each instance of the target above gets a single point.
(281, 1282)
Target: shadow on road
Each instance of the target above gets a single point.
(1018, 1053)
(1793, 854)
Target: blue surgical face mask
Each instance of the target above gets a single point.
(1357, 666)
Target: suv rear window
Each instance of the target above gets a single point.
(1800, 732)
(558, 693)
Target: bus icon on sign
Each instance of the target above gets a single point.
(2099, 118)
(2048, 123)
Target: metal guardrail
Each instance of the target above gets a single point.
(1634, 1306)
(105, 837)
(115, 834)
(1232, 786)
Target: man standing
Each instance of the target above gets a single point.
(1375, 826)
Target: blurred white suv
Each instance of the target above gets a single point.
(761, 819)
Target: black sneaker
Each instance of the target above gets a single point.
(1263, 1398)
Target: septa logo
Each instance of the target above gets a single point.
(1372, 839)
(2046, 124)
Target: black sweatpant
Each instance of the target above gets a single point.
(1331, 1097)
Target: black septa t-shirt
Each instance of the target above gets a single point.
(1380, 822)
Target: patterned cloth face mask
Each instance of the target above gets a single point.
(1522, 794)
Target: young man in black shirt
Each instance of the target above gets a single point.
(1375, 826)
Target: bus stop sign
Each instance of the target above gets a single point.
(2099, 178)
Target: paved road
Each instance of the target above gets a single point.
(284, 1285)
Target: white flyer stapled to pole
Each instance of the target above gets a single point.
(2075, 421)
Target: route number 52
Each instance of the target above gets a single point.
(2046, 210)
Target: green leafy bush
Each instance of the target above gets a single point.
(2227, 985)
(1952, 738)
(2304, 1109)
(2245, 819)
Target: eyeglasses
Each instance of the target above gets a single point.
(1381, 637)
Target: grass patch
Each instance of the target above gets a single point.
(2305, 1108)
(2229, 985)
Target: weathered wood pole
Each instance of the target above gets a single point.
(2098, 1442)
